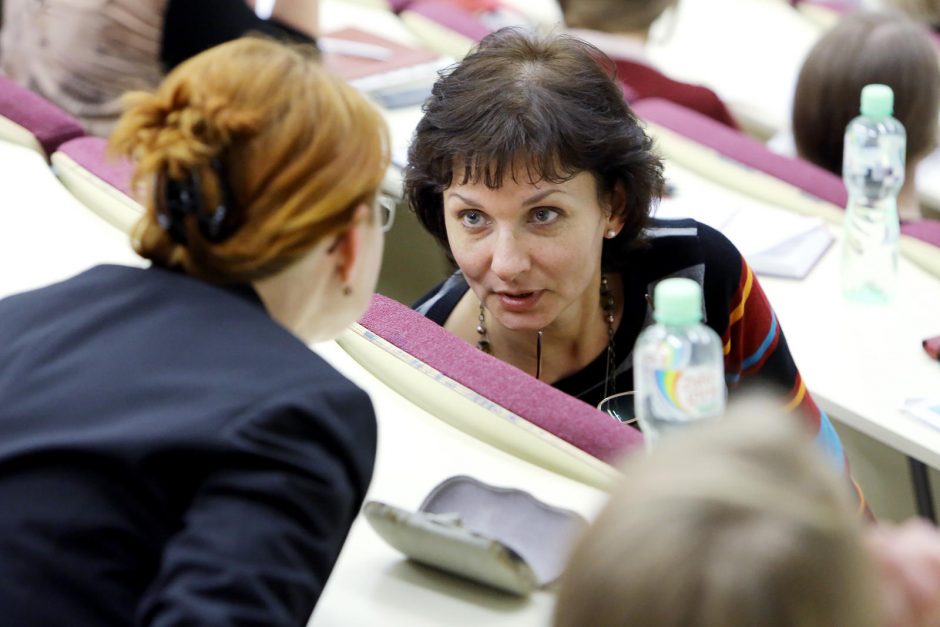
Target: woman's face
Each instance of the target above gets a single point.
(529, 251)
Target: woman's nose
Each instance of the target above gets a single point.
(510, 257)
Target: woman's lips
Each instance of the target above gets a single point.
(518, 302)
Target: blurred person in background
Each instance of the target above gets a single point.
(924, 11)
(742, 522)
(171, 451)
(621, 29)
(864, 48)
(83, 55)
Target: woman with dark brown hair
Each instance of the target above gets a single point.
(864, 48)
(536, 178)
(171, 451)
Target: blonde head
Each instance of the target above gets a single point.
(298, 148)
(733, 524)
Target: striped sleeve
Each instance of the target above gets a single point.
(755, 350)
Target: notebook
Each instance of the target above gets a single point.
(393, 74)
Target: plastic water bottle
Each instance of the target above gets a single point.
(678, 363)
(873, 171)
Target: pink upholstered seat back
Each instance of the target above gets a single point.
(836, 6)
(91, 154)
(554, 411)
(925, 230)
(737, 146)
(397, 6)
(451, 16)
(50, 125)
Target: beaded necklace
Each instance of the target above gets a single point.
(607, 306)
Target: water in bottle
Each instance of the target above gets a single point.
(873, 171)
(678, 363)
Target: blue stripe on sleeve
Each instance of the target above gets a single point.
(753, 359)
(829, 441)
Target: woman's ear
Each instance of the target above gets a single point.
(347, 248)
(617, 207)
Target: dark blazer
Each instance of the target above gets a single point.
(169, 455)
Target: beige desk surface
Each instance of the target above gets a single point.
(372, 583)
(46, 235)
(859, 362)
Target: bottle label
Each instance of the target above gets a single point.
(695, 391)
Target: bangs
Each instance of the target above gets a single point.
(527, 146)
(531, 109)
(521, 166)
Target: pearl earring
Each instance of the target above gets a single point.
(611, 234)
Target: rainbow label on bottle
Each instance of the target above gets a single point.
(696, 391)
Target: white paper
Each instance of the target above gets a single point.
(924, 409)
(774, 241)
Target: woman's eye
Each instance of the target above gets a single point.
(472, 218)
(544, 215)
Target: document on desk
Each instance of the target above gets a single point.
(774, 241)
(393, 74)
(926, 410)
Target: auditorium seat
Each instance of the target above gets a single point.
(744, 149)
(30, 120)
(824, 13)
(925, 230)
(499, 404)
(444, 26)
(98, 180)
(739, 163)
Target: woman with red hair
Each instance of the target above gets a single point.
(171, 452)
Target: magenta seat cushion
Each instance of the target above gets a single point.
(836, 6)
(925, 230)
(554, 411)
(50, 125)
(91, 153)
(745, 150)
(451, 16)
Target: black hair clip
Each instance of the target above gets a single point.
(177, 199)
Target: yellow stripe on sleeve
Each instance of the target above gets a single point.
(796, 400)
(738, 312)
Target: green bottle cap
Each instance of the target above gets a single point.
(677, 301)
(877, 100)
